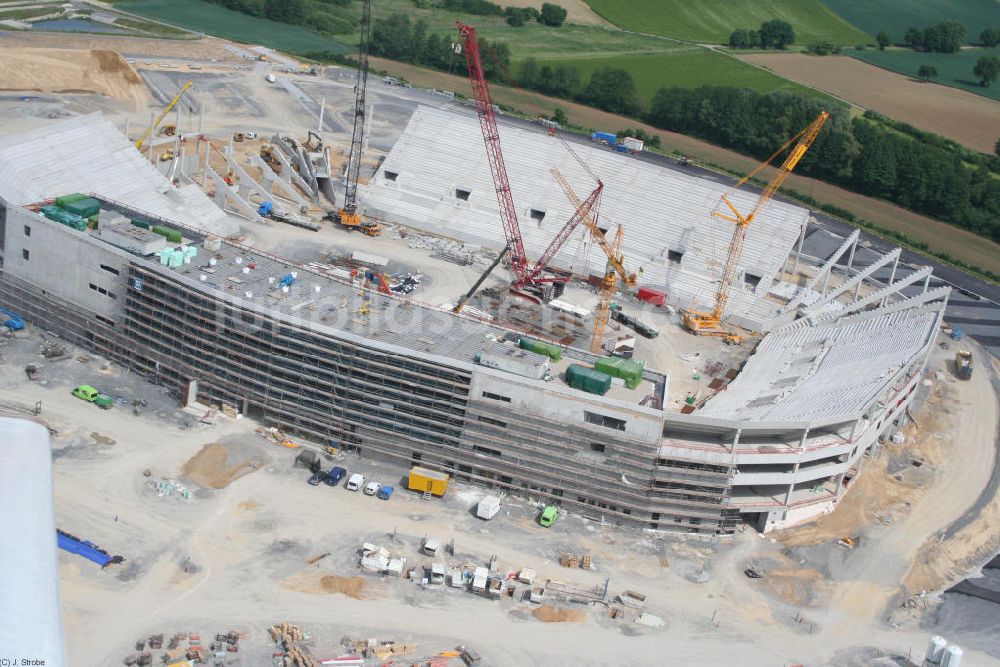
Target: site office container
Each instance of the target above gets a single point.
(652, 296)
(423, 480)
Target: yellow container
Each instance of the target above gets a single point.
(423, 480)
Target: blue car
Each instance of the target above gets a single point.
(385, 493)
(317, 478)
(335, 475)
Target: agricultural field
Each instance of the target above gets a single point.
(687, 68)
(969, 119)
(896, 16)
(215, 20)
(954, 69)
(712, 21)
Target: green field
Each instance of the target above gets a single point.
(895, 16)
(954, 69)
(215, 20)
(712, 21)
(690, 68)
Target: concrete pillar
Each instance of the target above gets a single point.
(322, 110)
(201, 117)
(798, 250)
(736, 438)
(204, 171)
(927, 282)
(892, 278)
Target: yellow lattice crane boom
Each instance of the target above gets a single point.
(614, 256)
(163, 114)
(710, 324)
(608, 287)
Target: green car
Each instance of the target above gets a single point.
(91, 395)
(548, 516)
(86, 392)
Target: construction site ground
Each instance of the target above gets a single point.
(241, 552)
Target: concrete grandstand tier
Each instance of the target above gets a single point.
(437, 178)
(88, 154)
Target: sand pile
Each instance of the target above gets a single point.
(99, 72)
(549, 614)
(208, 468)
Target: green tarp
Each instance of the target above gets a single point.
(588, 379)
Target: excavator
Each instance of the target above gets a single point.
(710, 323)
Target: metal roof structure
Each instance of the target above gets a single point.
(437, 178)
(827, 370)
(88, 154)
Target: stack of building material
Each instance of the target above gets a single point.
(287, 635)
(588, 379)
(374, 558)
(626, 369)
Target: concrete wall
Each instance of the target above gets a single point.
(556, 402)
(58, 262)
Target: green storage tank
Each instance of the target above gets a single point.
(171, 235)
(588, 379)
(626, 369)
(62, 201)
(84, 208)
(538, 347)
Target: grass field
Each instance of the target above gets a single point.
(895, 16)
(215, 20)
(687, 68)
(954, 69)
(712, 21)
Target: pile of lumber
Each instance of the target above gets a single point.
(287, 636)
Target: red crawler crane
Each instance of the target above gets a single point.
(526, 276)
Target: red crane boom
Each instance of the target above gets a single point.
(491, 136)
(587, 207)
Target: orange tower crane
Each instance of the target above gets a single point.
(608, 286)
(710, 324)
(615, 267)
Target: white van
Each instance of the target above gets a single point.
(356, 481)
(371, 488)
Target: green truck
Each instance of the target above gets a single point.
(87, 393)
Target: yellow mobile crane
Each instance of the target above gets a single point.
(710, 324)
(163, 114)
(615, 270)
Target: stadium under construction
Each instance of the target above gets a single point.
(775, 439)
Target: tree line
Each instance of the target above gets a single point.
(871, 154)
(316, 15)
(399, 38)
(774, 34)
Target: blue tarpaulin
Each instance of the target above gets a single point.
(88, 550)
